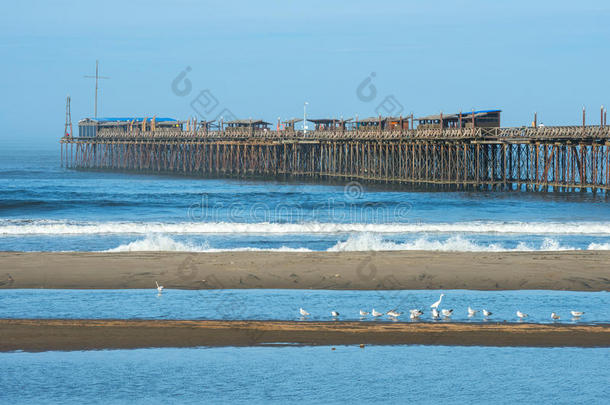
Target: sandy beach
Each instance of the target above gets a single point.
(574, 270)
(86, 334)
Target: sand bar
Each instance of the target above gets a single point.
(576, 270)
(87, 334)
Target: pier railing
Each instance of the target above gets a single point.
(554, 132)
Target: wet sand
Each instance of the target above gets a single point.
(576, 270)
(86, 334)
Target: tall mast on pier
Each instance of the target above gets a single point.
(97, 77)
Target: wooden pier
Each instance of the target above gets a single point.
(565, 159)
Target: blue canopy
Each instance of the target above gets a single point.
(129, 119)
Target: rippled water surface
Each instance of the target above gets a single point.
(375, 374)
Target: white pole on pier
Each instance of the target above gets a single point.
(305, 118)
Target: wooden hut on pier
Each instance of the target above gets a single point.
(329, 123)
(244, 127)
(289, 125)
(249, 123)
(383, 123)
(476, 119)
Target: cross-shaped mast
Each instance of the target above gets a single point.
(97, 77)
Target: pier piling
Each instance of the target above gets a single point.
(537, 158)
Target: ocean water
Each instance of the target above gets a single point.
(285, 304)
(44, 207)
(312, 375)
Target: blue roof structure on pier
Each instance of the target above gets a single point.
(129, 119)
(89, 127)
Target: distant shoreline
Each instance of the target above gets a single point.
(88, 334)
(390, 270)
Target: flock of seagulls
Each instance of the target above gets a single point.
(446, 314)
(417, 313)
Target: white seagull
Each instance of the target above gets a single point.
(521, 315)
(437, 303)
(447, 312)
(415, 313)
(472, 312)
(303, 312)
(554, 316)
(335, 314)
(393, 313)
(159, 287)
(487, 313)
(435, 313)
(375, 313)
(363, 313)
(577, 314)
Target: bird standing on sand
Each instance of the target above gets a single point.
(363, 313)
(335, 314)
(577, 314)
(303, 312)
(437, 303)
(447, 313)
(554, 316)
(521, 315)
(375, 313)
(472, 312)
(159, 287)
(435, 314)
(487, 313)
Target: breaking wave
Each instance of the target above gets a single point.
(60, 227)
(356, 243)
(163, 243)
(372, 242)
(599, 246)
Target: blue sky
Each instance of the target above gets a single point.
(265, 58)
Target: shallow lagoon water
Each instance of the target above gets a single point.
(284, 304)
(375, 374)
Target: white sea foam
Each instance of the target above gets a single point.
(598, 246)
(59, 227)
(164, 243)
(354, 243)
(374, 242)
(154, 243)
